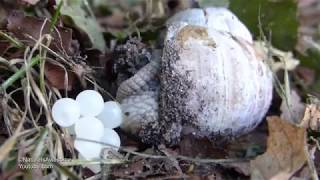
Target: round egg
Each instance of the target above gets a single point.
(111, 137)
(89, 128)
(89, 150)
(91, 103)
(111, 115)
(65, 112)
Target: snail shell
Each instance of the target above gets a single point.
(211, 81)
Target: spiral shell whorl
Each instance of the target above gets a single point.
(211, 81)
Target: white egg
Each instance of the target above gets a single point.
(89, 128)
(91, 103)
(66, 112)
(93, 167)
(111, 115)
(89, 150)
(111, 137)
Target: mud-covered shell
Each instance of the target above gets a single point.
(211, 81)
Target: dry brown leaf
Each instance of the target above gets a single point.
(311, 118)
(286, 151)
(27, 27)
(58, 76)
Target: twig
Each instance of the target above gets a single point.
(179, 157)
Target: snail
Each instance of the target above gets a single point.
(209, 82)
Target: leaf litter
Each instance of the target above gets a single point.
(286, 151)
(284, 147)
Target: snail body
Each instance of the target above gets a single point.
(209, 81)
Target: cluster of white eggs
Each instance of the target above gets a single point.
(92, 119)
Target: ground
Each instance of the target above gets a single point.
(51, 49)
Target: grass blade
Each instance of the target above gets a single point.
(20, 73)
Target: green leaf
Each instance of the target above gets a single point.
(217, 3)
(74, 9)
(278, 17)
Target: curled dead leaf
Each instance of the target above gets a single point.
(286, 151)
(59, 77)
